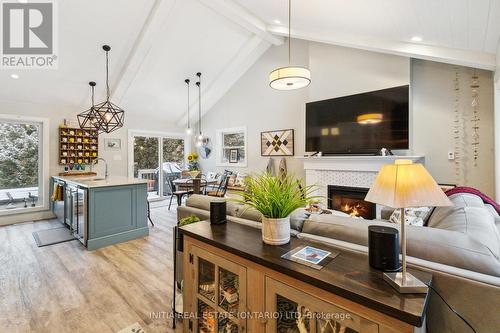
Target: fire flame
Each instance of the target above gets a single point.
(353, 210)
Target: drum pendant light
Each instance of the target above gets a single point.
(111, 116)
(289, 77)
(189, 130)
(89, 119)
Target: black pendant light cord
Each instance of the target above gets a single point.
(92, 85)
(452, 309)
(187, 83)
(199, 100)
(107, 75)
(289, 31)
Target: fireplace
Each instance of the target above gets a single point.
(351, 200)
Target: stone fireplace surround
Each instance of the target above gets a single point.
(352, 171)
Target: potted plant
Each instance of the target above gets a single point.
(193, 166)
(275, 198)
(185, 221)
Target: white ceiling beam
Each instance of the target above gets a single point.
(244, 59)
(243, 18)
(156, 20)
(467, 58)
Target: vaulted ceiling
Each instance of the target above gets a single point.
(156, 44)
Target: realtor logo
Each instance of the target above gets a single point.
(28, 35)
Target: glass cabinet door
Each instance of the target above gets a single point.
(220, 293)
(299, 312)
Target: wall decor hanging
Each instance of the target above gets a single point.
(458, 132)
(277, 143)
(475, 117)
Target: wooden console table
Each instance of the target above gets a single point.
(233, 282)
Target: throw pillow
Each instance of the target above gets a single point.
(413, 216)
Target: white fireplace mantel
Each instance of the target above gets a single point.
(354, 163)
(352, 171)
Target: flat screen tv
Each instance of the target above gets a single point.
(359, 124)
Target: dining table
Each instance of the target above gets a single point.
(194, 183)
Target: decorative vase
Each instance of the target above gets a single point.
(276, 231)
(194, 173)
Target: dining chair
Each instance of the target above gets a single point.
(221, 190)
(179, 194)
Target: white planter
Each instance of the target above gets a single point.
(276, 231)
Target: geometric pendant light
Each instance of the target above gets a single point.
(89, 120)
(111, 116)
(289, 77)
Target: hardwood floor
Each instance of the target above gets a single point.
(65, 288)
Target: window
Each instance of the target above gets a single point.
(23, 178)
(232, 147)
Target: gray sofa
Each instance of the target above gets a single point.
(460, 247)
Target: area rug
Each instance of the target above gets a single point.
(52, 236)
(134, 328)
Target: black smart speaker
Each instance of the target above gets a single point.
(217, 212)
(383, 248)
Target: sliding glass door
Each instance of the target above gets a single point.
(158, 158)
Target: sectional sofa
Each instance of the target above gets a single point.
(460, 246)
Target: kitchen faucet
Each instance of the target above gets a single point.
(105, 166)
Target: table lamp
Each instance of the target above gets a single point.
(403, 185)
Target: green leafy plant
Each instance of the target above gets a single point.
(189, 220)
(275, 197)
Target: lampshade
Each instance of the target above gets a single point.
(404, 184)
(289, 78)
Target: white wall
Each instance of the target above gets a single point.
(338, 71)
(433, 123)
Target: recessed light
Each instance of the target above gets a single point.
(277, 22)
(416, 38)
(14, 76)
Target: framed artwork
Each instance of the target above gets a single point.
(112, 144)
(233, 156)
(277, 143)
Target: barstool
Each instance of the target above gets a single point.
(149, 214)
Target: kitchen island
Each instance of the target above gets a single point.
(102, 211)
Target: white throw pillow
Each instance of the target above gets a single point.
(413, 216)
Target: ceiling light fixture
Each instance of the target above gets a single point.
(14, 76)
(289, 77)
(277, 22)
(111, 116)
(199, 139)
(189, 130)
(89, 119)
(416, 39)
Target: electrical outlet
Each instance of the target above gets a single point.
(451, 155)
